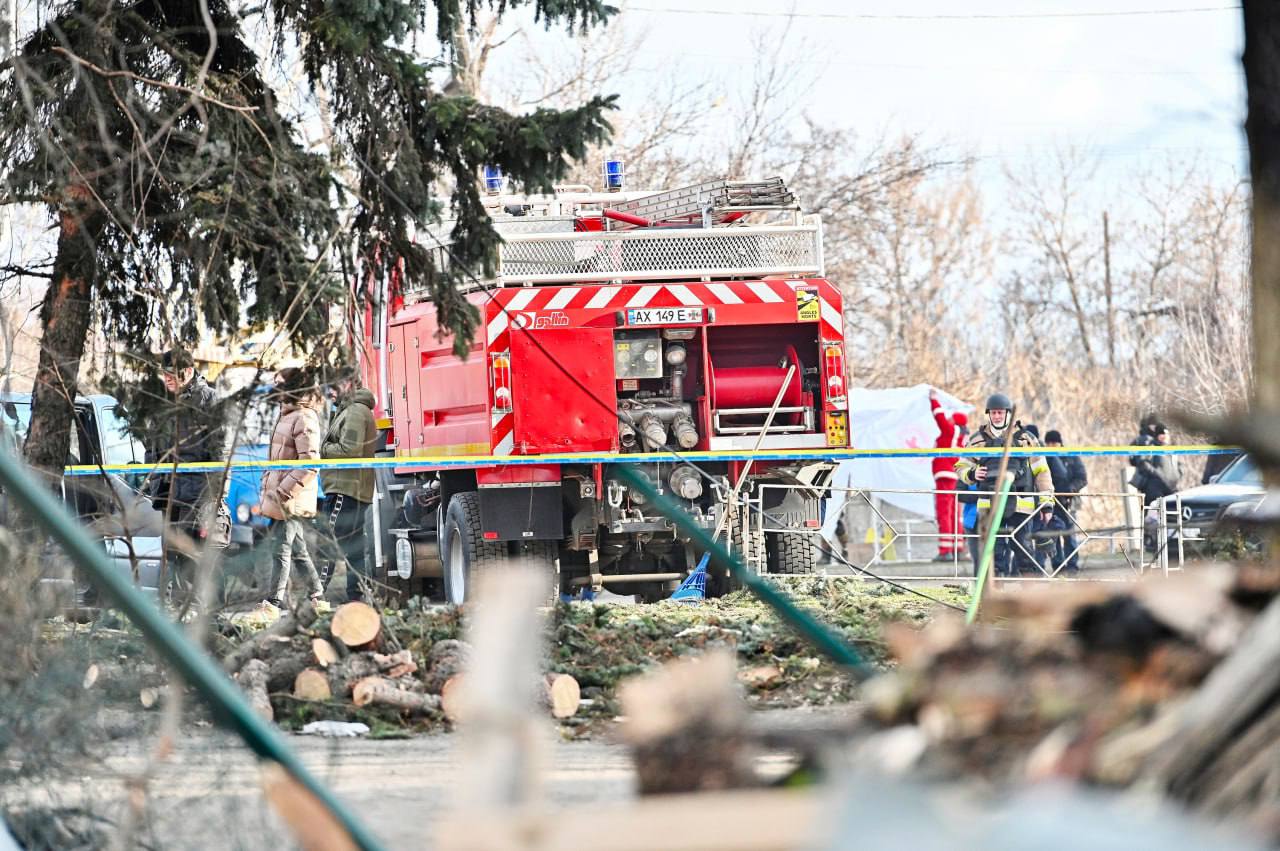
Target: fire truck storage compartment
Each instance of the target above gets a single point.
(439, 401)
(660, 388)
(747, 365)
(553, 411)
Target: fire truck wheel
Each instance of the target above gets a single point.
(465, 550)
(746, 549)
(541, 556)
(792, 552)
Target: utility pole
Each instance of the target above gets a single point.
(1106, 280)
(1262, 129)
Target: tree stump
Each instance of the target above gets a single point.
(355, 624)
(311, 684)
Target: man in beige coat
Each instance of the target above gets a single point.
(289, 495)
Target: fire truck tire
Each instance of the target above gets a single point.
(743, 548)
(466, 553)
(541, 556)
(792, 552)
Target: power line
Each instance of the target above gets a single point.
(978, 16)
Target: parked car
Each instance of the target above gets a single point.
(1199, 512)
(111, 506)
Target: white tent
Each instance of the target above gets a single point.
(893, 418)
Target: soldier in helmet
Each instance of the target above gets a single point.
(1031, 481)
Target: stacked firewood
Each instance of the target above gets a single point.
(353, 661)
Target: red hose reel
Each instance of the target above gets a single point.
(752, 388)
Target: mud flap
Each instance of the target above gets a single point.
(522, 513)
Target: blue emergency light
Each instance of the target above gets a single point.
(613, 175)
(493, 179)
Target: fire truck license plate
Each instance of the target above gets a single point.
(665, 316)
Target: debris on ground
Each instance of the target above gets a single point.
(399, 670)
(1171, 686)
(335, 729)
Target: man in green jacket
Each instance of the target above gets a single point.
(352, 433)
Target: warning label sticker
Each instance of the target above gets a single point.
(807, 308)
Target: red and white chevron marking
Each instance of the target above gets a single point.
(571, 306)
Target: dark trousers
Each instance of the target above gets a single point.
(1066, 553)
(1015, 550)
(291, 547)
(342, 526)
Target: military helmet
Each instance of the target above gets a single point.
(999, 402)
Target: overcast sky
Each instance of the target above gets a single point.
(1003, 79)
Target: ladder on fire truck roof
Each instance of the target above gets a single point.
(712, 202)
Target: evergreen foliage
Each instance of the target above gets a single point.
(183, 195)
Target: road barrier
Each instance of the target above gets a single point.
(898, 545)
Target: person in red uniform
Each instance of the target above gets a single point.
(950, 436)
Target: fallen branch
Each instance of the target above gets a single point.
(389, 693)
(253, 679)
(288, 624)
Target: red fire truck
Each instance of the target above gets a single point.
(657, 324)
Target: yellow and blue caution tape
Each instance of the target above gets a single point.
(436, 462)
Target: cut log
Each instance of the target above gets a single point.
(356, 624)
(383, 691)
(446, 660)
(311, 684)
(90, 676)
(561, 695)
(399, 659)
(324, 652)
(151, 696)
(289, 623)
(404, 670)
(344, 674)
(253, 679)
(450, 705)
(283, 667)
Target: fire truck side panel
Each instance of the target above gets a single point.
(397, 387)
(440, 401)
(553, 411)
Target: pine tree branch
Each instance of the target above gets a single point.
(151, 82)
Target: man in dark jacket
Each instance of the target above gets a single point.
(1069, 480)
(191, 431)
(352, 433)
(1146, 437)
(1031, 485)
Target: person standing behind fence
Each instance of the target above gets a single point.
(1069, 481)
(191, 503)
(352, 433)
(289, 495)
(1146, 437)
(1157, 476)
(1030, 475)
(944, 478)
